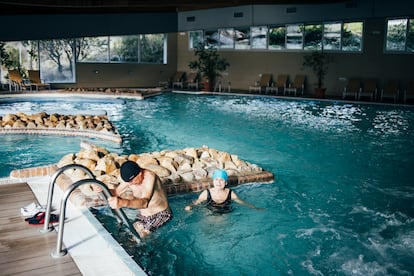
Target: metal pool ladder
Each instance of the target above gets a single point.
(46, 228)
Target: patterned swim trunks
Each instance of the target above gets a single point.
(155, 221)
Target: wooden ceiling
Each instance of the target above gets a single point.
(15, 7)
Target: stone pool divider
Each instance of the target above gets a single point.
(42, 123)
(181, 171)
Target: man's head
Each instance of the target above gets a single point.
(129, 170)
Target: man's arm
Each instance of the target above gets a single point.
(137, 203)
(147, 186)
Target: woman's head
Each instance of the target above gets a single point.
(220, 174)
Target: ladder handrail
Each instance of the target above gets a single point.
(46, 227)
(61, 252)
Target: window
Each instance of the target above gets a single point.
(226, 38)
(332, 36)
(259, 37)
(92, 49)
(294, 37)
(410, 36)
(242, 38)
(277, 36)
(212, 38)
(352, 36)
(151, 48)
(123, 48)
(313, 37)
(21, 55)
(396, 34)
(195, 39)
(57, 59)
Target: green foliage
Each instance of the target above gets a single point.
(4, 56)
(151, 48)
(277, 36)
(9, 58)
(208, 63)
(318, 61)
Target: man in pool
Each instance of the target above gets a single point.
(149, 196)
(218, 199)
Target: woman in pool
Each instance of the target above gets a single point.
(219, 198)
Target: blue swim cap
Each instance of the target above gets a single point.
(220, 174)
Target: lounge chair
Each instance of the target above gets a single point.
(390, 90)
(260, 85)
(192, 80)
(369, 89)
(352, 88)
(178, 79)
(298, 85)
(409, 92)
(34, 78)
(17, 82)
(223, 83)
(280, 84)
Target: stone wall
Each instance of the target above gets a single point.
(97, 126)
(181, 171)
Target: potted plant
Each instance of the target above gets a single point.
(209, 64)
(318, 61)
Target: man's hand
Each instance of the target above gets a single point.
(114, 202)
(96, 188)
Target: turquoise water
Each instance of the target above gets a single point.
(341, 203)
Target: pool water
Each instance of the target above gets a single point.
(341, 202)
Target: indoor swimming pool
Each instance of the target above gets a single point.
(341, 202)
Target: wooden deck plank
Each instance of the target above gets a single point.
(23, 249)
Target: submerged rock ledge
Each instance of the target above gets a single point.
(95, 126)
(181, 171)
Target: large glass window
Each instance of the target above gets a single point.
(195, 39)
(57, 60)
(294, 37)
(242, 38)
(23, 54)
(313, 37)
(352, 36)
(396, 34)
(277, 38)
(212, 38)
(123, 48)
(226, 38)
(151, 48)
(92, 49)
(259, 37)
(332, 36)
(410, 36)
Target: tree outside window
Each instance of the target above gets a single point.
(152, 48)
(277, 37)
(313, 37)
(396, 34)
(352, 36)
(332, 36)
(410, 36)
(92, 49)
(57, 59)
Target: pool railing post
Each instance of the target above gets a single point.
(62, 252)
(46, 227)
